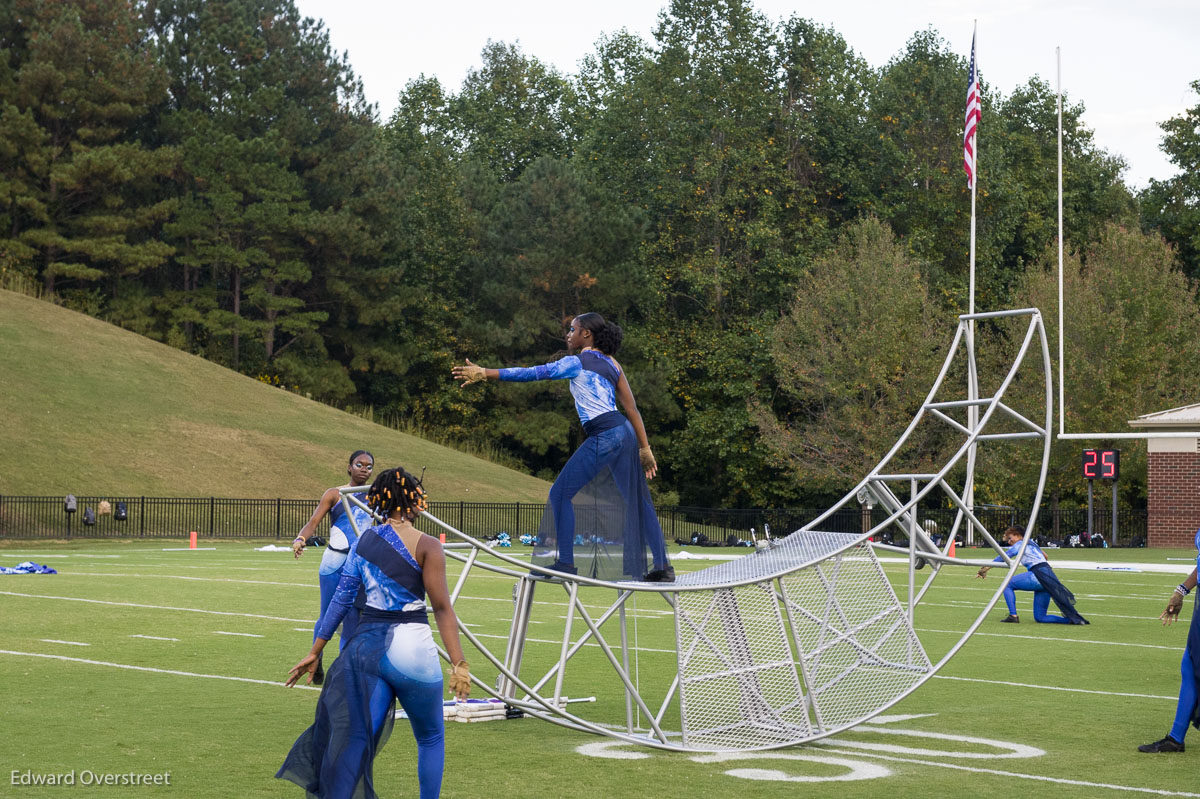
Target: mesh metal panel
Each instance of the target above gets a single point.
(858, 649)
(741, 685)
(785, 555)
(737, 679)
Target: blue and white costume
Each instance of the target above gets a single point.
(1042, 580)
(600, 497)
(1188, 710)
(391, 655)
(341, 536)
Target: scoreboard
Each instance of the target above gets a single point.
(1101, 464)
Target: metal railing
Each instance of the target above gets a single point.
(30, 517)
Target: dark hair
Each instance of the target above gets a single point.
(358, 452)
(396, 489)
(1016, 528)
(605, 335)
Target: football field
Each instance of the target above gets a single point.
(143, 662)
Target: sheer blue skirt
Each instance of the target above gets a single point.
(333, 758)
(600, 516)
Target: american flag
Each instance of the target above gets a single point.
(972, 120)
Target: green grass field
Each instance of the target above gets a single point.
(89, 408)
(139, 658)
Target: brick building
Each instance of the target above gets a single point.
(1173, 482)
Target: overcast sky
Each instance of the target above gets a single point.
(1130, 62)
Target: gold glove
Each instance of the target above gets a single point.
(647, 458)
(470, 373)
(460, 680)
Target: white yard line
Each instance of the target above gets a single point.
(154, 637)
(243, 635)
(961, 605)
(591, 642)
(1175, 648)
(1054, 688)
(832, 747)
(70, 643)
(150, 669)
(312, 584)
(642, 613)
(154, 607)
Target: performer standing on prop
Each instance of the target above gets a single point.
(392, 654)
(341, 535)
(1039, 578)
(610, 469)
(1188, 710)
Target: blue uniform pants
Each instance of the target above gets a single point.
(1041, 598)
(614, 449)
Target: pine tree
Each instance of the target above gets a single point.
(82, 196)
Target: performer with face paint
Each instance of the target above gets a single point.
(1188, 710)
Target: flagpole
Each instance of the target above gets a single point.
(972, 372)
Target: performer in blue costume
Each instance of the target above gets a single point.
(600, 497)
(341, 536)
(1040, 579)
(391, 655)
(1188, 710)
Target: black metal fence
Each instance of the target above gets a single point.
(27, 517)
(1064, 527)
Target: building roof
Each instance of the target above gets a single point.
(1187, 416)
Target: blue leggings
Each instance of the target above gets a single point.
(1187, 698)
(614, 449)
(1041, 599)
(422, 701)
(384, 662)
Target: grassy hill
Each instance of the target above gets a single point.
(89, 408)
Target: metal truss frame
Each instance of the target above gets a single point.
(772, 574)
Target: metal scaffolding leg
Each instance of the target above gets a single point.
(515, 650)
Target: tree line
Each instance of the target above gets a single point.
(781, 229)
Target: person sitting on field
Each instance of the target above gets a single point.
(1038, 578)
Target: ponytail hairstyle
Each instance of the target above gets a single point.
(396, 489)
(606, 336)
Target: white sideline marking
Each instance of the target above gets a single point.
(1053, 688)
(154, 607)
(188, 549)
(1049, 638)
(1016, 774)
(71, 643)
(244, 635)
(303, 629)
(154, 637)
(156, 671)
